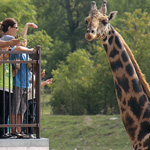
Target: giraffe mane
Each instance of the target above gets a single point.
(137, 68)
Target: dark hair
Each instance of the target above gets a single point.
(6, 23)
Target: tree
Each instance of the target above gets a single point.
(72, 84)
(128, 6)
(23, 11)
(64, 20)
(59, 51)
(84, 85)
(45, 41)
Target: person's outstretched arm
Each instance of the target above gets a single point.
(29, 24)
(47, 82)
(8, 43)
(22, 48)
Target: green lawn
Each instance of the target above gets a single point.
(84, 132)
(97, 132)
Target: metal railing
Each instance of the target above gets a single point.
(35, 64)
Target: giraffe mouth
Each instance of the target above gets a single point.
(90, 36)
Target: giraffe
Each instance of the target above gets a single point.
(132, 90)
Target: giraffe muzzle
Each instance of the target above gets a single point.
(90, 34)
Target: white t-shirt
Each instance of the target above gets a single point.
(30, 87)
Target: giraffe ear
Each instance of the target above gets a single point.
(112, 15)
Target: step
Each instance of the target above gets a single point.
(24, 144)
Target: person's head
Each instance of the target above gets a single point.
(9, 26)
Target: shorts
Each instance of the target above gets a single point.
(19, 102)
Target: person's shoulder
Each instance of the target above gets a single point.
(7, 37)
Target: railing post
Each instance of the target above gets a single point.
(38, 100)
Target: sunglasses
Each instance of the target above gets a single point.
(15, 27)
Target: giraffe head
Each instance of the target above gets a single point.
(98, 22)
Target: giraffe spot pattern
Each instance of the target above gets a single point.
(129, 120)
(136, 147)
(116, 65)
(130, 70)
(117, 41)
(105, 47)
(122, 110)
(131, 130)
(124, 102)
(113, 53)
(147, 143)
(136, 85)
(105, 39)
(110, 40)
(135, 107)
(125, 56)
(145, 129)
(112, 29)
(142, 100)
(124, 83)
(118, 91)
(147, 112)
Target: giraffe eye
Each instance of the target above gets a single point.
(104, 22)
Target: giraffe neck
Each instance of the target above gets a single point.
(132, 100)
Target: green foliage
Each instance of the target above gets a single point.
(44, 40)
(128, 6)
(23, 11)
(72, 84)
(82, 87)
(58, 53)
(64, 20)
(40, 38)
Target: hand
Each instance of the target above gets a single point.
(42, 74)
(32, 49)
(13, 42)
(32, 25)
(17, 64)
(29, 65)
(49, 81)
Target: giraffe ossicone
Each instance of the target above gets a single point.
(132, 90)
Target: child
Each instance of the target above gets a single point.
(32, 102)
(5, 91)
(20, 86)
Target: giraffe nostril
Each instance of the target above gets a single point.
(88, 31)
(92, 31)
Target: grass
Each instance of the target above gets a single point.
(84, 132)
(97, 132)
